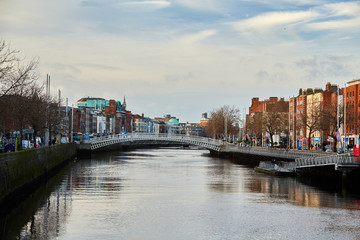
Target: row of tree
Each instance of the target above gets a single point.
(23, 102)
(323, 118)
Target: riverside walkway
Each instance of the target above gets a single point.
(300, 159)
(275, 152)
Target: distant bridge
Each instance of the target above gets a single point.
(121, 139)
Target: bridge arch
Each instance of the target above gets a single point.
(120, 139)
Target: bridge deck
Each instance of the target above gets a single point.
(209, 143)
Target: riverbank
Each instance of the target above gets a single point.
(22, 172)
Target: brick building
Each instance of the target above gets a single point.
(351, 98)
(309, 104)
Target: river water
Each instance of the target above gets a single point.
(175, 193)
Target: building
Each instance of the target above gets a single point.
(97, 115)
(351, 129)
(310, 114)
(257, 121)
(204, 120)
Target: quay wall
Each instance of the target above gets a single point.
(22, 172)
(244, 158)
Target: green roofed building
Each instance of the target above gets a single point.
(98, 103)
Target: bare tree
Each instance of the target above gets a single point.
(219, 117)
(255, 125)
(36, 113)
(15, 77)
(311, 120)
(275, 119)
(330, 122)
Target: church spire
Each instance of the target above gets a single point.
(124, 104)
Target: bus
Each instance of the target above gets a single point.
(77, 137)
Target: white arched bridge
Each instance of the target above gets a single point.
(98, 143)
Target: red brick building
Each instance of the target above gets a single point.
(351, 100)
(304, 104)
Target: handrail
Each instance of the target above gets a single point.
(325, 160)
(276, 153)
(103, 141)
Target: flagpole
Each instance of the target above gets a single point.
(345, 119)
(289, 143)
(337, 115)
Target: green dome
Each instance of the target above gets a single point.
(173, 120)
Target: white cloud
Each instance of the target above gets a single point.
(203, 5)
(351, 24)
(194, 38)
(349, 11)
(342, 9)
(147, 4)
(267, 21)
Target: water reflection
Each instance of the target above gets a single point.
(221, 176)
(298, 193)
(43, 214)
(175, 194)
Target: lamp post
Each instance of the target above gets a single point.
(345, 118)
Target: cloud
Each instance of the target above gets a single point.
(197, 37)
(352, 24)
(267, 21)
(341, 9)
(289, 2)
(347, 17)
(203, 5)
(146, 4)
(323, 68)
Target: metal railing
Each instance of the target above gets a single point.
(106, 140)
(325, 160)
(275, 153)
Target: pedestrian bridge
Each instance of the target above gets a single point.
(136, 138)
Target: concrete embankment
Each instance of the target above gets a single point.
(22, 172)
(326, 174)
(244, 158)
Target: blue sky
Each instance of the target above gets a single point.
(186, 57)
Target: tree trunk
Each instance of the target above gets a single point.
(271, 140)
(335, 143)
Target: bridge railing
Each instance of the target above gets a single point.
(325, 160)
(276, 153)
(161, 136)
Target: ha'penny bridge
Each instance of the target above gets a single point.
(298, 160)
(103, 142)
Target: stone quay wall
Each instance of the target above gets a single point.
(21, 172)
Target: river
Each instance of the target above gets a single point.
(172, 193)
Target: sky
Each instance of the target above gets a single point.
(185, 57)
